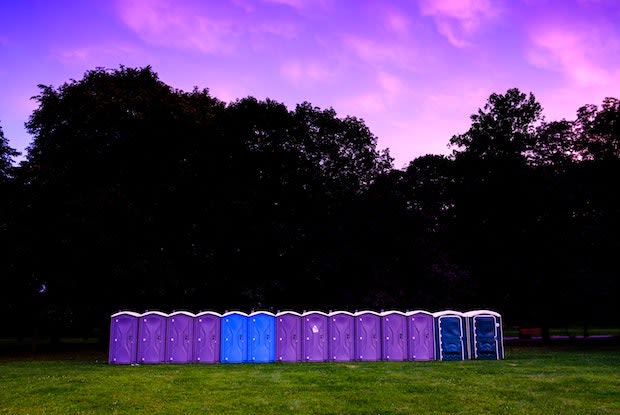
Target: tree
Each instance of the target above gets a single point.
(504, 129)
(598, 131)
(7, 155)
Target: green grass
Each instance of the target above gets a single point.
(530, 381)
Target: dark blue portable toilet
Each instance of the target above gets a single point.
(152, 337)
(421, 329)
(288, 336)
(367, 336)
(341, 336)
(486, 339)
(315, 329)
(180, 337)
(450, 335)
(234, 330)
(261, 337)
(394, 331)
(207, 337)
(123, 338)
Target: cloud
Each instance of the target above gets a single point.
(296, 4)
(100, 55)
(376, 52)
(583, 53)
(303, 72)
(177, 24)
(456, 20)
(397, 22)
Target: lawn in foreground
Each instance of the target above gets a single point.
(529, 381)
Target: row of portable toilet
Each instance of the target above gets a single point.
(236, 337)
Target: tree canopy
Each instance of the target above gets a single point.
(136, 195)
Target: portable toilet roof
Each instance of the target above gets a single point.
(479, 312)
(123, 313)
(208, 313)
(306, 313)
(184, 313)
(283, 313)
(359, 313)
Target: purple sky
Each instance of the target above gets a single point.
(413, 70)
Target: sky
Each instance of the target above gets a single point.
(413, 70)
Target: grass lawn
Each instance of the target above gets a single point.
(534, 380)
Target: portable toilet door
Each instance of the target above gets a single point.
(315, 329)
(341, 336)
(261, 335)
(123, 338)
(207, 337)
(421, 335)
(394, 331)
(450, 335)
(485, 334)
(288, 336)
(180, 337)
(367, 336)
(152, 337)
(234, 329)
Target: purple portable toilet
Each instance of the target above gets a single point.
(152, 337)
(367, 335)
(288, 336)
(315, 329)
(123, 338)
(394, 330)
(207, 337)
(421, 335)
(341, 336)
(180, 337)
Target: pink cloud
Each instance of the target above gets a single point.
(100, 55)
(456, 20)
(303, 72)
(376, 52)
(397, 22)
(583, 53)
(176, 24)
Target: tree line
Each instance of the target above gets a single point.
(135, 195)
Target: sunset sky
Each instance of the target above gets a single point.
(413, 70)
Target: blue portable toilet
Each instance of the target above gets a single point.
(315, 330)
(486, 338)
(152, 337)
(261, 337)
(180, 337)
(123, 338)
(341, 336)
(451, 335)
(421, 329)
(289, 336)
(207, 337)
(233, 337)
(367, 336)
(394, 331)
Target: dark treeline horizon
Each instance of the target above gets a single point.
(134, 195)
